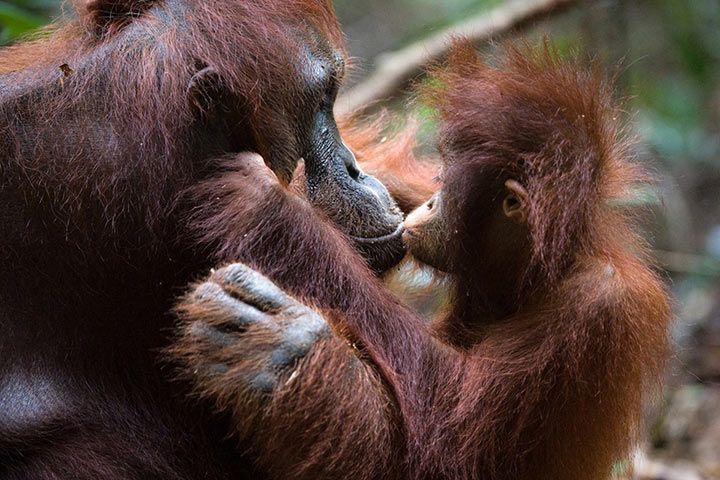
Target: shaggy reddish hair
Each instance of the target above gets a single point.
(154, 132)
(109, 120)
(553, 391)
(573, 370)
(548, 123)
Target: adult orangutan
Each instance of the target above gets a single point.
(107, 123)
(557, 328)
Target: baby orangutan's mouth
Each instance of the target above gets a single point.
(408, 234)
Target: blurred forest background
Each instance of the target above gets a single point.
(669, 52)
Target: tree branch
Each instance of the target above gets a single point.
(396, 69)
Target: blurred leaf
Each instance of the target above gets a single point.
(16, 21)
(19, 17)
(692, 26)
(640, 196)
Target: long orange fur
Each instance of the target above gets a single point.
(554, 391)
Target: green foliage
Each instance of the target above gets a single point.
(20, 17)
(676, 80)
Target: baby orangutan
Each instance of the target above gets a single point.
(534, 167)
(557, 326)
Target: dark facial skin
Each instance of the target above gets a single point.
(357, 202)
(305, 128)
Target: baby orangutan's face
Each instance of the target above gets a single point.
(501, 228)
(426, 233)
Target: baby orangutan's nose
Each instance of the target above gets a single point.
(422, 214)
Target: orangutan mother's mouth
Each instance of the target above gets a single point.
(381, 239)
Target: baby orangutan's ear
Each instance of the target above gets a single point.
(515, 203)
